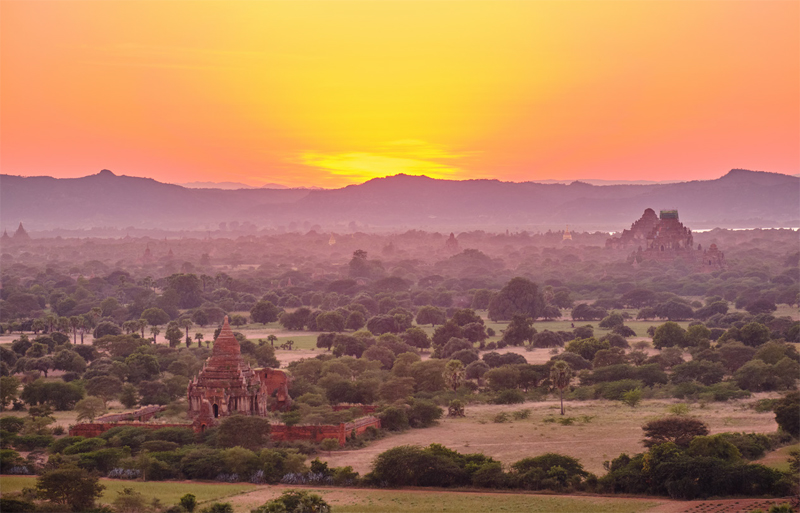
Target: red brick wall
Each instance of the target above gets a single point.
(277, 431)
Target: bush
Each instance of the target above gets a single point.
(295, 500)
(614, 390)
(394, 419)
(509, 396)
(423, 413)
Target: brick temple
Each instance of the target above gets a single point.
(664, 238)
(227, 385)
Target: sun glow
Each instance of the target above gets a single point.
(334, 92)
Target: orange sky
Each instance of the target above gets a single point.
(335, 92)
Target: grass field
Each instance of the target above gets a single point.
(245, 497)
(778, 459)
(600, 430)
(168, 492)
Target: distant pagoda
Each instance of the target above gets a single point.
(567, 235)
(21, 235)
(664, 238)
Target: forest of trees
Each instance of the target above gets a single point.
(409, 335)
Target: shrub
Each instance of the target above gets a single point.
(424, 413)
(394, 419)
(509, 396)
(295, 500)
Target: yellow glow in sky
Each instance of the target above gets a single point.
(334, 92)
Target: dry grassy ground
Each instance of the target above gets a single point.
(601, 431)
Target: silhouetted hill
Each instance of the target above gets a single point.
(740, 198)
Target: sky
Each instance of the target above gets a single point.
(330, 93)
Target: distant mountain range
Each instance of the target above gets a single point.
(739, 199)
(229, 185)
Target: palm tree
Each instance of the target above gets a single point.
(560, 375)
(142, 324)
(454, 374)
(154, 331)
(187, 323)
(199, 337)
(272, 339)
(74, 323)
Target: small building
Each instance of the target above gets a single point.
(227, 385)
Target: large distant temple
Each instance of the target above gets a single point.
(664, 238)
(227, 385)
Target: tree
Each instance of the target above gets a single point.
(674, 310)
(69, 486)
(243, 431)
(89, 408)
(129, 501)
(454, 374)
(669, 334)
(104, 387)
(295, 501)
(155, 331)
(129, 397)
(760, 306)
(155, 316)
(188, 502)
(677, 429)
(754, 334)
(199, 338)
(560, 376)
(518, 296)
(786, 413)
(174, 335)
(547, 338)
(416, 337)
(519, 331)
(9, 390)
(325, 340)
(587, 348)
(108, 328)
(69, 361)
(505, 377)
(612, 320)
(431, 315)
(200, 317)
(330, 321)
(355, 321)
(186, 324)
(264, 312)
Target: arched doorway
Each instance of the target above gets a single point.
(216, 411)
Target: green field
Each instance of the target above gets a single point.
(424, 502)
(168, 492)
(245, 497)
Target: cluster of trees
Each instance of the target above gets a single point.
(684, 462)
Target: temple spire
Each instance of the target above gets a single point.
(226, 343)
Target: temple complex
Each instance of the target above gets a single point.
(637, 235)
(663, 238)
(227, 385)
